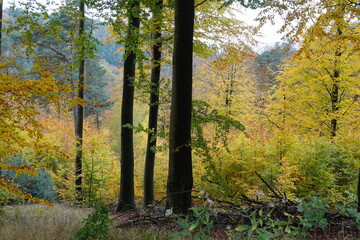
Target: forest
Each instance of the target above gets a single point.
(169, 119)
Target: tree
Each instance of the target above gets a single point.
(96, 98)
(79, 109)
(126, 197)
(154, 104)
(1, 19)
(319, 83)
(318, 88)
(298, 16)
(180, 178)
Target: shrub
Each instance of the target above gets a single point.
(96, 225)
(39, 186)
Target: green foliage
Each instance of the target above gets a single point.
(269, 62)
(253, 4)
(204, 116)
(39, 186)
(264, 226)
(198, 225)
(96, 225)
(6, 197)
(95, 95)
(314, 213)
(353, 213)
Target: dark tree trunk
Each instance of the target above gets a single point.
(358, 192)
(126, 197)
(335, 100)
(180, 176)
(79, 110)
(1, 18)
(154, 106)
(335, 93)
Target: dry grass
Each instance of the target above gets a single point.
(138, 233)
(38, 222)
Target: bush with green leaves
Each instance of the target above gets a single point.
(314, 213)
(96, 225)
(352, 213)
(264, 226)
(197, 225)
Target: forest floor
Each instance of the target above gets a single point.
(226, 220)
(61, 222)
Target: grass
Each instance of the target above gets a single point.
(39, 222)
(137, 233)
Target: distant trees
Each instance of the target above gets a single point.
(319, 83)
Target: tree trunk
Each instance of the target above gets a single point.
(358, 192)
(335, 100)
(79, 116)
(154, 106)
(126, 197)
(335, 92)
(1, 18)
(180, 176)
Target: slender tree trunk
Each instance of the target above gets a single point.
(335, 92)
(79, 110)
(335, 100)
(1, 18)
(180, 176)
(154, 107)
(358, 192)
(126, 197)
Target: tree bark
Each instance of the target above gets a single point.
(335, 92)
(358, 192)
(126, 197)
(180, 176)
(79, 110)
(154, 106)
(1, 18)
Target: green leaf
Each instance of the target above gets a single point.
(242, 228)
(193, 226)
(281, 224)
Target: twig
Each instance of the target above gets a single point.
(270, 188)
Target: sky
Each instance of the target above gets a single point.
(268, 31)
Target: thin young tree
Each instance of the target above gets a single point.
(154, 104)
(180, 176)
(126, 197)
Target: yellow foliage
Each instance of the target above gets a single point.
(12, 188)
(22, 94)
